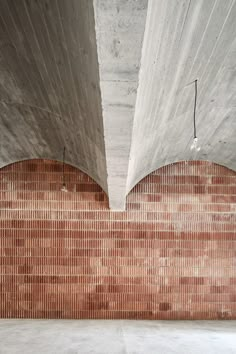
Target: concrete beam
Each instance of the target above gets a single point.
(119, 28)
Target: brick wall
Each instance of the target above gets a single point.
(171, 255)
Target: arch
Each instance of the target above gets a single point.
(174, 162)
(67, 163)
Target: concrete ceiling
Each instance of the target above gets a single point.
(111, 80)
(184, 41)
(49, 84)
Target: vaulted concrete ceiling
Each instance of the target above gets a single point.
(49, 84)
(112, 81)
(184, 41)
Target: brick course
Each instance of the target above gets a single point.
(170, 255)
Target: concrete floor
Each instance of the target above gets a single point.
(123, 337)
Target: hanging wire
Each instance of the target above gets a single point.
(195, 145)
(63, 166)
(194, 112)
(63, 171)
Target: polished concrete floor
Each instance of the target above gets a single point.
(111, 337)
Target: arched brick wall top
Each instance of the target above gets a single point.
(195, 183)
(43, 179)
(191, 167)
(170, 255)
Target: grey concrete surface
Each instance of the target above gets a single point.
(184, 41)
(119, 29)
(49, 85)
(111, 81)
(117, 337)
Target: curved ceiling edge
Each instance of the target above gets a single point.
(194, 41)
(173, 163)
(59, 161)
(49, 65)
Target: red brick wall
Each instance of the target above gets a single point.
(171, 255)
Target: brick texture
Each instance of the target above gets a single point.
(170, 255)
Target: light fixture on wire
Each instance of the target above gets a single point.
(195, 145)
(63, 188)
